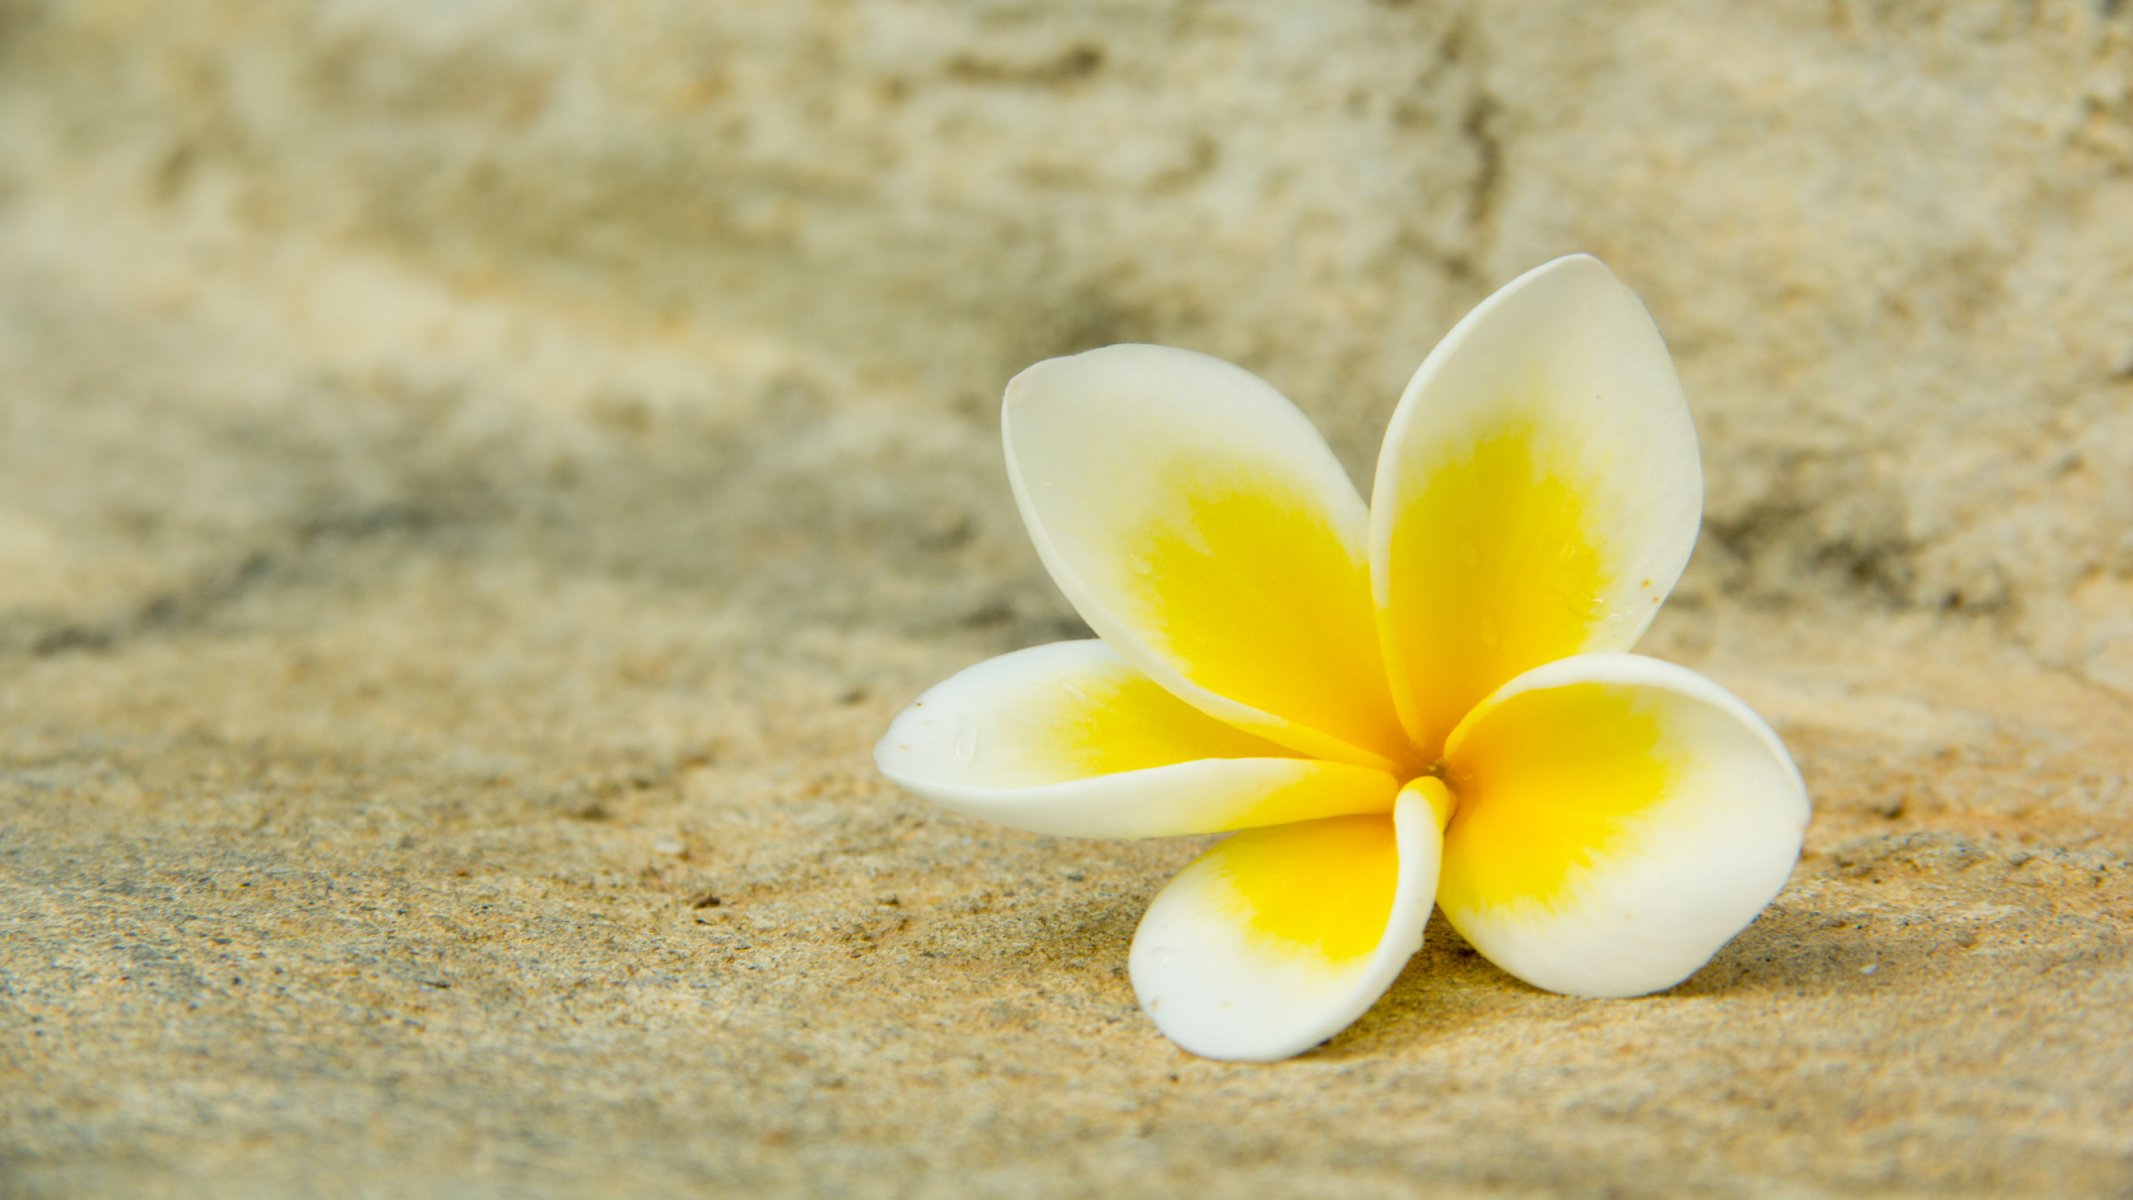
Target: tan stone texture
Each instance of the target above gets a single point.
(476, 477)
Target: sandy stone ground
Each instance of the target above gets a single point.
(476, 479)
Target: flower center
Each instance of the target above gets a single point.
(1432, 788)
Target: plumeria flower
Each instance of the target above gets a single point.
(1427, 700)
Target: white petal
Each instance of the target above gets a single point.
(1200, 525)
(1537, 494)
(1278, 938)
(1617, 820)
(1069, 739)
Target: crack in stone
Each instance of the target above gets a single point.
(1478, 125)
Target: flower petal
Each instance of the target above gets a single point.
(1069, 739)
(1202, 528)
(1537, 494)
(1277, 939)
(1617, 820)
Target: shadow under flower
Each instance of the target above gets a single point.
(1851, 926)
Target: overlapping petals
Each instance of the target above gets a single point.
(1422, 702)
(1070, 739)
(1202, 528)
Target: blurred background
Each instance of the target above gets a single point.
(475, 477)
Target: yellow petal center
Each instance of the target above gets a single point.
(1299, 640)
(1515, 583)
(1322, 886)
(1549, 783)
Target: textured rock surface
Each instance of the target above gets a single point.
(475, 478)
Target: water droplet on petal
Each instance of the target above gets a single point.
(966, 741)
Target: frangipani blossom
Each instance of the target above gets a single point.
(1427, 700)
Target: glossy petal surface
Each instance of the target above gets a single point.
(1617, 820)
(1070, 739)
(1537, 494)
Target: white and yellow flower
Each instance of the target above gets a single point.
(1427, 700)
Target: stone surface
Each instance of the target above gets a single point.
(475, 479)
